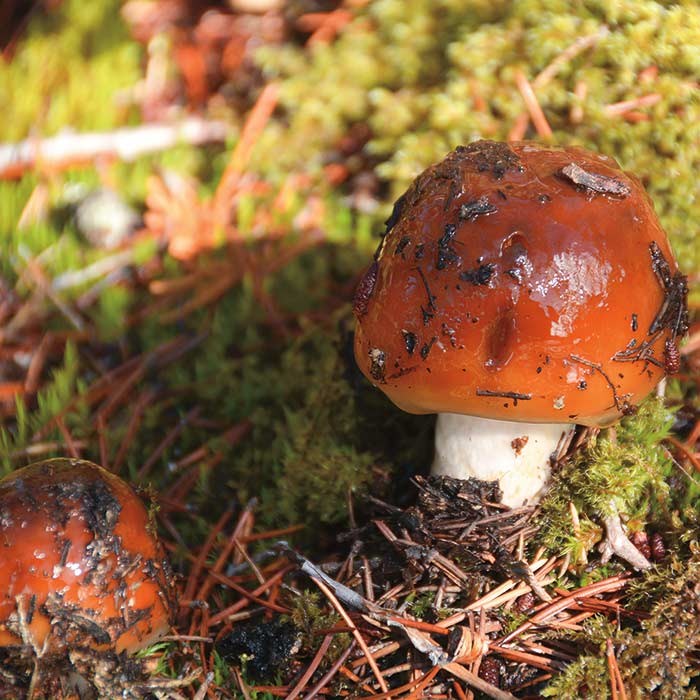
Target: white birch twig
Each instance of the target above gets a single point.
(125, 144)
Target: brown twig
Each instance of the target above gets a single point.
(614, 583)
(254, 126)
(232, 436)
(241, 526)
(143, 401)
(270, 534)
(167, 441)
(692, 457)
(198, 566)
(576, 110)
(228, 581)
(544, 77)
(533, 106)
(311, 668)
(479, 683)
(417, 624)
(36, 365)
(328, 676)
(323, 25)
(523, 657)
(70, 443)
(417, 685)
(580, 45)
(619, 109)
(617, 687)
(42, 448)
(356, 633)
(239, 605)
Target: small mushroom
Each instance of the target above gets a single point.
(519, 290)
(80, 563)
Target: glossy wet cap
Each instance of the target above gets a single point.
(80, 564)
(521, 282)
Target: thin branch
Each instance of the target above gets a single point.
(533, 106)
(128, 144)
(315, 663)
(579, 46)
(616, 542)
(356, 633)
(414, 686)
(614, 583)
(253, 128)
(479, 683)
(313, 692)
(228, 612)
(545, 76)
(619, 109)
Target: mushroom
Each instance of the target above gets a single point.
(80, 563)
(519, 290)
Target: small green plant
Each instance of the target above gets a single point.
(61, 392)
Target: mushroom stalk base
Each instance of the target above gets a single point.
(515, 454)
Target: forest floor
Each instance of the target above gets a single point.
(189, 194)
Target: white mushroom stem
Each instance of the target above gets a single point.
(516, 454)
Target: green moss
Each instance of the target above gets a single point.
(587, 677)
(511, 619)
(656, 659)
(68, 70)
(315, 440)
(310, 424)
(313, 620)
(420, 604)
(318, 432)
(427, 76)
(626, 471)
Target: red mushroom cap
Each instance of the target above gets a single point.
(80, 564)
(521, 282)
